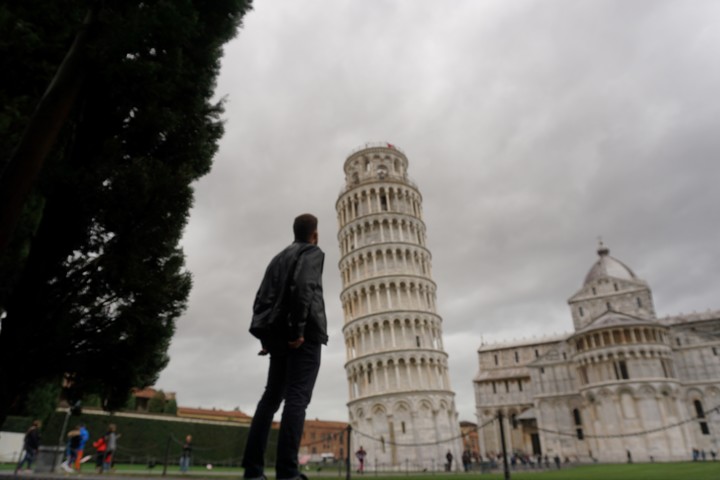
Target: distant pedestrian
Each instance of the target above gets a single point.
(100, 449)
(713, 454)
(71, 451)
(186, 454)
(557, 461)
(449, 457)
(629, 456)
(111, 438)
(702, 455)
(31, 445)
(84, 437)
(360, 455)
(466, 459)
(547, 462)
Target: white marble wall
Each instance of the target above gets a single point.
(397, 371)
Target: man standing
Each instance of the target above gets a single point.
(289, 319)
(361, 454)
(31, 445)
(449, 457)
(466, 459)
(186, 454)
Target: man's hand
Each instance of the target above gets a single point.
(296, 343)
(263, 352)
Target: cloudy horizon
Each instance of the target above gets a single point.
(531, 128)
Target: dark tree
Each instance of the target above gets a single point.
(171, 407)
(93, 280)
(157, 402)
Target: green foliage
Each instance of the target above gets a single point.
(94, 278)
(171, 407)
(147, 438)
(131, 404)
(157, 402)
(18, 424)
(92, 401)
(42, 400)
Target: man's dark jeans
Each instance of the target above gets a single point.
(291, 377)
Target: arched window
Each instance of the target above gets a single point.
(700, 414)
(578, 424)
(621, 370)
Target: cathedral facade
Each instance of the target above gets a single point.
(625, 385)
(401, 407)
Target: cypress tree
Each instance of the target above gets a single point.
(93, 279)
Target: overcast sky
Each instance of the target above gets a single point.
(531, 128)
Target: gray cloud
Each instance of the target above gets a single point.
(531, 129)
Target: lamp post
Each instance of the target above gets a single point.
(506, 468)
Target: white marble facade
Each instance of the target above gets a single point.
(401, 407)
(622, 371)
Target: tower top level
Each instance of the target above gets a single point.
(375, 161)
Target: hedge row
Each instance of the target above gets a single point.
(146, 440)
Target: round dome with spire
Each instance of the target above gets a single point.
(608, 266)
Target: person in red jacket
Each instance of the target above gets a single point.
(100, 449)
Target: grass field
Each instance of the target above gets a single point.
(654, 471)
(638, 471)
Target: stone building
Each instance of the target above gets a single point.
(401, 408)
(623, 370)
(323, 441)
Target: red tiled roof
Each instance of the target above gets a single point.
(151, 392)
(236, 414)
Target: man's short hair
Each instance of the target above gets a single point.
(304, 226)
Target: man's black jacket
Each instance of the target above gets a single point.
(289, 303)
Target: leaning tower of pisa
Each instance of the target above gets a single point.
(402, 408)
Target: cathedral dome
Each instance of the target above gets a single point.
(608, 266)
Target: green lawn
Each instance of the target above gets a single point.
(654, 471)
(643, 471)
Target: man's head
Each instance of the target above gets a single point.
(305, 228)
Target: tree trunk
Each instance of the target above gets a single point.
(26, 163)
